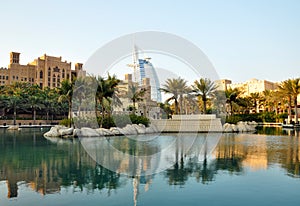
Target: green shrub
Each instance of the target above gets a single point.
(65, 122)
(257, 117)
(139, 120)
(122, 120)
(268, 116)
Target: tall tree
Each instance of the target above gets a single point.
(106, 89)
(232, 98)
(135, 94)
(290, 89)
(65, 94)
(255, 98)
(176, 88)
(204, 88)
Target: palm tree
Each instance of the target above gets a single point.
(66, 91)
(175, 87)
(295, 93)
(232, 97)
(106, 89)
(35, 103)
(15, 93)
(34, 99)
(290, 89)
(135, 94)
(255, 97)
(50, 99)
(204, 88)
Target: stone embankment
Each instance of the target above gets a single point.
(130, 129)
(240, 127)
(134, 129)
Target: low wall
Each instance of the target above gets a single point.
(27, 122)
(194, 116)
(188, 125)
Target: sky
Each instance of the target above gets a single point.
(242, 39)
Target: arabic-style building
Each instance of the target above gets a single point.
(45, 71)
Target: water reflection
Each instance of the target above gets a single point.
(46, 167)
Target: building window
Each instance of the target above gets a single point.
(53, 78)
(41, 74)
(58, 78)
(25, 79)
(68, 76)
(17, 77)
(53, 84)
(13, 77)
(32, 79)
(49, 71)
(56, 69)
(6, 77)
(41, 85)
(63, 73)
(0, 77)
(48, 84)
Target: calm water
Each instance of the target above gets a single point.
(231, 169)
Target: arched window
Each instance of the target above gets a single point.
(49, 71)
(41, 74)
(63, 73)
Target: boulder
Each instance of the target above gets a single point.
(234, 128)
(53, 132)
(14, 127)
(64, 132)
(227, 127)
(149, 130)
(104, 132)
(154, 128)
(115, 131)
(129, 130)
(139, 129)
(76, 132)
(88, 132)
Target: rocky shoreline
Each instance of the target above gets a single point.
(240, 127)
(133, 129)
(130, 129)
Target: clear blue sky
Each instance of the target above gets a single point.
(243, 39)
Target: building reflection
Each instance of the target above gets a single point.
(47, 167)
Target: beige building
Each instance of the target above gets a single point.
(248, 87)
(45, 71)
(222, 84)
(147, 107)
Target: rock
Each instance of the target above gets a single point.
(76, 132)
(53, 132)
(149, 130)
(129, 130)
(68, 131)
(14, 127)
(241, 128)
(104, 132)
(234, 128)
(88, 132)
(115, 131)
(141, 125)
(139, 129)
(154, 128)
(227, 127)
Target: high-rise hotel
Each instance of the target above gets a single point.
(45, 71)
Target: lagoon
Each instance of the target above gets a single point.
(169, 169)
